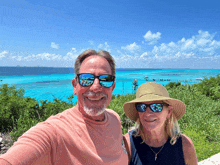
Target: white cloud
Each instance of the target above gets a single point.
(72, 55)
(152, 38)
(189, 44)
(40, 56)
(202, 42)
(74, 50)
(130, 61)
(17, 58)
(91, 42)
(48, 56)
(199, 45)
(2, 54)
(131, 48)
(199, 51)
(55, 46)
(104, 46)
(144, 55)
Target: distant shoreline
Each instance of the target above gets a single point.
(115, 68)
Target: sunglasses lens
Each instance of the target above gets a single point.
(157, 107)
(106, 80)
(86, 79)
(140, 107)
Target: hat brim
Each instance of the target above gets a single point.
(179, 107)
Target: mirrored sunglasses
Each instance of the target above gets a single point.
(87, 79)
(155, 107)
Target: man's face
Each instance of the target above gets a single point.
(94, 99)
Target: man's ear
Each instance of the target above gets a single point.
(74, 82)
(113, 86)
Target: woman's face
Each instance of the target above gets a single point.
(154, 120)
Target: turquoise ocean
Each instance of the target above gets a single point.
(43, 83)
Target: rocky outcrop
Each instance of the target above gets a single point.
(5, 142)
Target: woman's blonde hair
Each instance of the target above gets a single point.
(171, 128)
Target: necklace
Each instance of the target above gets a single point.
(156, 153)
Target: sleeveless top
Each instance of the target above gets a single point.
(141, 153)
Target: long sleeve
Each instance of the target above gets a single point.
(33, 146)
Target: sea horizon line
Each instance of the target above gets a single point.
(18, 66)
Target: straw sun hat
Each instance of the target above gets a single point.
(153, 92)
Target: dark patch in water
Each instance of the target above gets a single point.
(46, 81)
(16, 71)
(170, 74)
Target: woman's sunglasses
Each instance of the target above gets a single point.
(155, 107)
(87, 79)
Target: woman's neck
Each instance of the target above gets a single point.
(155, 138)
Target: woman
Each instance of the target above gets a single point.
(156, 138)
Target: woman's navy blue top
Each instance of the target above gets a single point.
(141, 153)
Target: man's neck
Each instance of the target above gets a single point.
(98, 118)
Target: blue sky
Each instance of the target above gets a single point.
(137, 33)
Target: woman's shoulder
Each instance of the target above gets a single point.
(128, 145)
(189, 151)
(187, 142)
(128, 135)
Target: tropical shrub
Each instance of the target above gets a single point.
(210, 87)
(11, 103)
(19, 113)
(172, 85)
(117, 105)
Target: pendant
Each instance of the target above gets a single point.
(155, 157)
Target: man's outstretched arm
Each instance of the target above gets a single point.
(33, 146)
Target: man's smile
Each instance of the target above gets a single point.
(95, 99)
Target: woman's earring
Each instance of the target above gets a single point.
(168, 120)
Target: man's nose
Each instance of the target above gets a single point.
(96, 87)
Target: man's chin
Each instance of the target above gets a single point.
(94, 111)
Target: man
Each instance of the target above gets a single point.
(85, 134)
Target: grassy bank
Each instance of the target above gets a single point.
(200, 122)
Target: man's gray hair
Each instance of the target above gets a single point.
(91, 52)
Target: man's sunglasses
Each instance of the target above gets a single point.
(87, 79)
(155, 107)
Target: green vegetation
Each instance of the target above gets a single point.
(210, 87)
(200, 122)
(19, 113)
